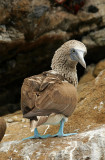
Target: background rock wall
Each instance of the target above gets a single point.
(30, 32)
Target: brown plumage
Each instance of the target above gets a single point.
(2, 128)
(45, 94)
(49, 97)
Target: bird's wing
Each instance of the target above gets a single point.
(49, 94)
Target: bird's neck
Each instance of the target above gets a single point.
(68, 71)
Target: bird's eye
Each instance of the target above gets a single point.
(73, 51)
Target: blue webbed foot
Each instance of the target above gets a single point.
(60, 132)
(32, 137)
(37, 135)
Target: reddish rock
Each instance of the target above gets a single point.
(71, 5)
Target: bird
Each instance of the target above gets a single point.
(51, 97)
(2, 128)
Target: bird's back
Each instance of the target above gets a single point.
(47, 93)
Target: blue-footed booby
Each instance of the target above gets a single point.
(51, 97)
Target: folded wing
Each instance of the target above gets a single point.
(45, 94)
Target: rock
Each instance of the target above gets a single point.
(99, 67)
(87, 145)
(72, 6)
(92, 71)
(10, 120)
(88, 120)
(2, 128)
(92, 9)
(88, 75)
(97, 37)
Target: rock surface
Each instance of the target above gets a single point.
(30, 32)
(88, 120)
(87, 146)
(99, 67)
(2, 128)
(92, 71)
(88, 75)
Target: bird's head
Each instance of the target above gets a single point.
(77, 52)
(70, 53)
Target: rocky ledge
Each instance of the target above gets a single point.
(86, 146)
(88, 120)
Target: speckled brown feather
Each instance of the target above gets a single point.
(2, 128)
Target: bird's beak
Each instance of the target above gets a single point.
(79, 57)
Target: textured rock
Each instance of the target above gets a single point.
(2, 128)
(99, 67)
(88, 120)
(88, 75)
(96, 38)
(92, 71)
(87, 145)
